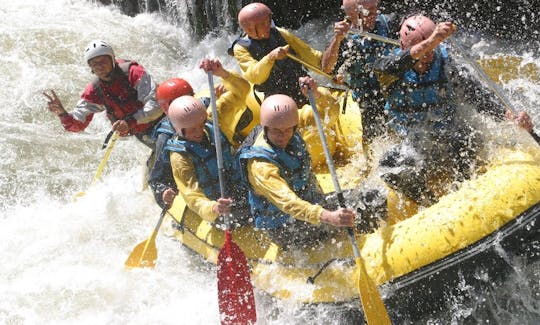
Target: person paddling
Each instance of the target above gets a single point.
(122, 88)
(194, 162)
(424, 90)
(234, 117)
(350, 56)
(284, 195)
(262, 53)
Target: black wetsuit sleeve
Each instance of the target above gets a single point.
(161, 177)
(392, 67)
(470, 89)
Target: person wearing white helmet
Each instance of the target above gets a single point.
(350, 56)
(123, 89)
(425, 94)
(262, 53)
(190, 154)
(284, 195)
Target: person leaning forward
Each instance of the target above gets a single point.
(231, 109)
(424, 90)
(193, 161)
(284, 195)
(123, 89)
(262, 53)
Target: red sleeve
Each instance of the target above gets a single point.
(136, 72)
(71, 124)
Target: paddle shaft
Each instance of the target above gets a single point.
(235, 291)
(105, 157)
(374, 309)
(217, 135)
(331, 167)
(315, 69)
(376, 37)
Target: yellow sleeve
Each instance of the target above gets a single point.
(188, 187)
(231, 104)
(266, 181)
(254, 71)
(302, 49)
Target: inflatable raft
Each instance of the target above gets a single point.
(410, 247)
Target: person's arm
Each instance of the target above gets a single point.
(232, 103)
(266, 181)
(256, 72)
(146, 94)
(333, 51)
(188, 186)
(160, 178)
(302, 49)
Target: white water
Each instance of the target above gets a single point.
(62, 262)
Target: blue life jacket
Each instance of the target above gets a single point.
(366, 51)
(205, 161)
(283, 78)
(163, 127)
(421, 97)
(295, 168)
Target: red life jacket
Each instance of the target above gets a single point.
(119, 96)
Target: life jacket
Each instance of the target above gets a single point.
(284, 76)
(365, 52)
(421, 97)
(205, 162)
(120, 97)
(295, 168)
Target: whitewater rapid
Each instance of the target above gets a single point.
(62, 261)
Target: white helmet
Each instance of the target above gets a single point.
(98, 48)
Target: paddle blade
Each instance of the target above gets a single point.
(372, 303)
(235, 292)
(143, 255)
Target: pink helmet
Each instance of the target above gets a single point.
(171, 89)
(187, 112)
(253, 11)
(414, 30)
(279, 111)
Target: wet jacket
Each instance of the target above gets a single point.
(356, 56)
(195, 171)
(274, 77)
(417, 98)
(280, 182)
(130, 96)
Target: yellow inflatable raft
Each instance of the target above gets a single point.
(409, 241)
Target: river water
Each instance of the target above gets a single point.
(62, 261)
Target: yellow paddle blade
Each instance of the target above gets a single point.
(143, 255)
(372, 303)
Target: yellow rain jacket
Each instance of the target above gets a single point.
(257, 72)
(266, 181)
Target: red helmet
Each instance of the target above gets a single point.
(279, 111)
(414, 30)
(171, 89)
(187, 112)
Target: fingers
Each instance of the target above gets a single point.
(121, 127)
(210, 65)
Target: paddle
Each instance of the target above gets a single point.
(317, 70)
(376, 37)
(235, 291)
(490, 83)
(103, 161)
(372, 303)
(145, 253)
